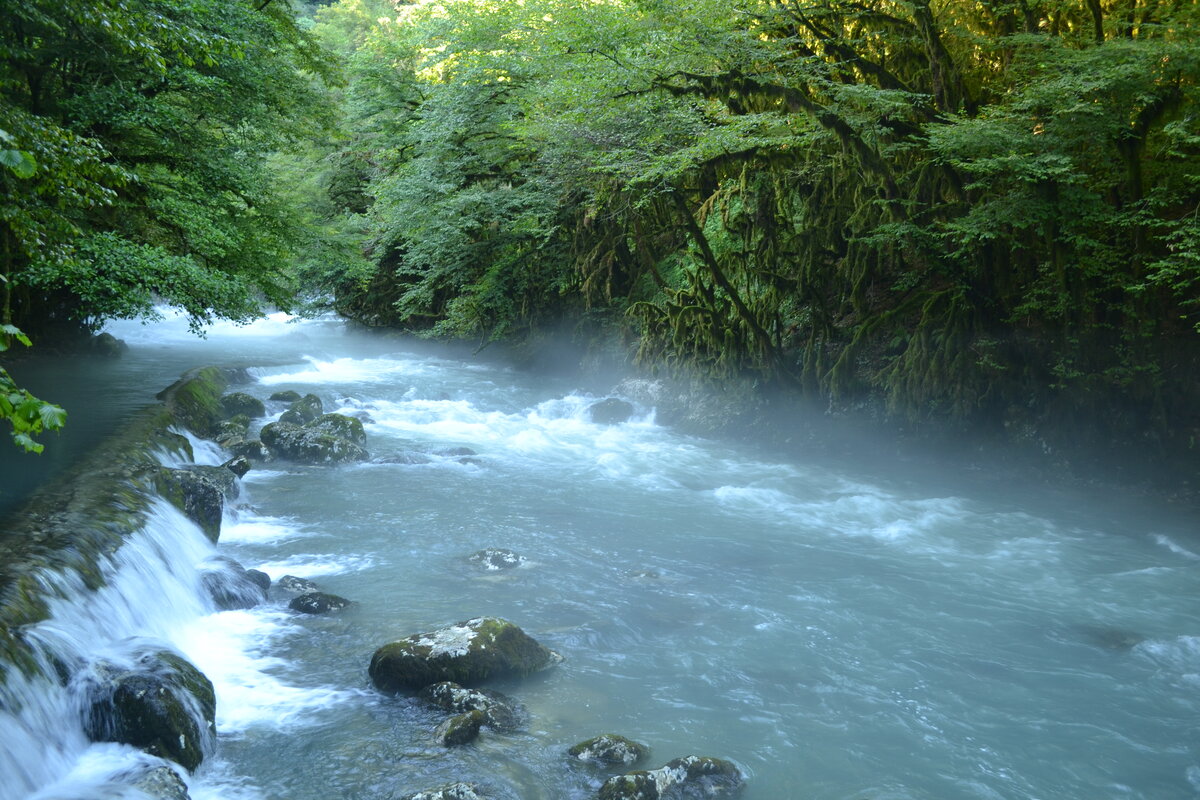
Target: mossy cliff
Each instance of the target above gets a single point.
(71, 525)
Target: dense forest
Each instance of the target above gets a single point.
(985, 213)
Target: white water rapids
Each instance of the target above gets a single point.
(838, 633)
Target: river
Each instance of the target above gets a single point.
(837, 631)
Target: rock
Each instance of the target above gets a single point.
(199, 498)
(239, 403)
(285, 396)
(238, 465)
(460, 729)
(311, 446)
(348, 428)
(364, 417)
(303, 411)
(454, 791)
(493, 558)
(681, 779)
(232, 430)
(610, 411)
(252, 449)
(160, 783)
(467, 653)
(164, 706)
(500, 713)
(457, 452)
(231, 586)
(409, 457)
(290, 583)
(608, 749)
(260, 579)
(108, 346)
(225, 479)
(318, 603)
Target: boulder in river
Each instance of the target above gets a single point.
(453, 791)
(196, 494)
(680, 779)
(467, 653)
(238, 403)
(318, 603)
(294, 585)
(609, 749)
(159, 783)
(610, 411)
(341, 426)
(460, 729)
(260, 578)
(231, 586)
(310, 445)
(500, 713)
(303, 411)
(285, 396)
(164, 706)
(496, 558)
(108, 346)
(252, 449)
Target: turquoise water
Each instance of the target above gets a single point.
(837, 632)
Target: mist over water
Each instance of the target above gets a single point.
(835, 631)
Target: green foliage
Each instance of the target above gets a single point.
(27, 415)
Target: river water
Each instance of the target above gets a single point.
(837, 632)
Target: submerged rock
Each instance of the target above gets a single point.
(608, 749)
(681, 779)
(409, 457)
(160, 783)
(467, 653)
(460, 729)
(239, 403)
(231, 586)
(500, 713)
(610, 411)
(290, 583)
(164, 706)
(454, 791)
(303, 411)
(285, 396)
(495, 558)
(260, 578)
(318, 603)
(309, 445)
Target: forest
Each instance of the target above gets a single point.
(967, 214)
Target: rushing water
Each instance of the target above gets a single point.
(838, 633)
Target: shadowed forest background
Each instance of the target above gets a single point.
(961, 215)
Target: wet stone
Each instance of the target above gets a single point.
(610, 411)
(501, 713)
(681, 779)
(294, 585)
(460, 729)
(318, 603)
(608, 749)
(285, 396)
(453, 791)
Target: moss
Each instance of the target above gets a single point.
(195, 399)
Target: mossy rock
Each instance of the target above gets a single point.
(453, 791)
(165, 706)
(460, 729)
(501, 713)
(609, 749)
(285, 396)
(303, 411)
(194, 400)
(310, 446)
(294, 585)
(237, 404)
(340, 425)
(252, 449)
(680, 779)
(466, 653)
(318, 603)
(200, 498)
(108, 346)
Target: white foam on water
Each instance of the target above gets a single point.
(231, 648)
(248, 527)
(342, 371)
(308, 565)
(1179, 550)
(101, 773)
